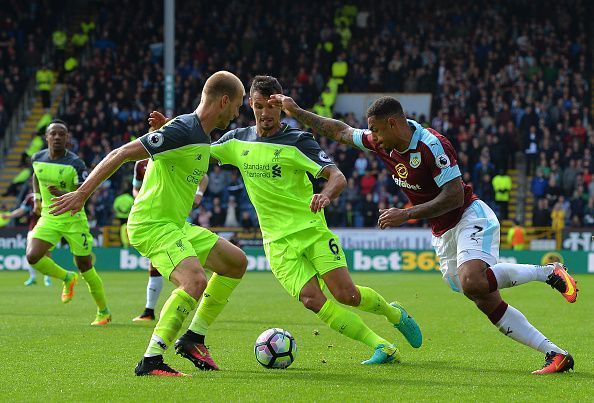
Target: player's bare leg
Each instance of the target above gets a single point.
(341, 286)
(509, 321)
(153, 290)
(38, 257)
(229, 264)
(347, 323)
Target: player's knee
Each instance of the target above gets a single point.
(347, 296)
(239, 265)
(195, 284)
(472, 285)
(313, 302)
(33, 256)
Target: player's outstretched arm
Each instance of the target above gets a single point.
(331, 128)
(19, 212)
(74, 201)
(333, 188)
(451, 197)
(201, 189)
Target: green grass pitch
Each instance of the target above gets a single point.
(50, 352)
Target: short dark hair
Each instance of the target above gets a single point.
(58, 122)
(265, 85)
(384, 107)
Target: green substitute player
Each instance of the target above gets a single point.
(122, 205)
(180, 153)
(56, 172)
(303, 253)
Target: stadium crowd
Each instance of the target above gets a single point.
(525, 88)
(24, 27)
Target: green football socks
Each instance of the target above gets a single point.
(349, 324)
(48, 267)
(177, 307)
(373, 302)
(214, 299)
(95, 288)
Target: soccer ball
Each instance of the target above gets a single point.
(275, 348)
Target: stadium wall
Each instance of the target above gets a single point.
(358, 260)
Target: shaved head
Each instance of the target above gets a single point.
(223, 83)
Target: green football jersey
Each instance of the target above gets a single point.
(66, 173)
(274, 170)
(180, 152)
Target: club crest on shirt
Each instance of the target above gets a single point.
(442, 161)
(155, 139)
(415, 160)
(401, 171)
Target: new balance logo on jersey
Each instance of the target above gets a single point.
(198, 157)
(404, 184)
(276, 171)
(245, 152)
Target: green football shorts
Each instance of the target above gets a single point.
(166, 244)
(298, 257)
(76, 233)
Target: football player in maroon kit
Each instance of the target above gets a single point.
(27, 207)
(465, 230)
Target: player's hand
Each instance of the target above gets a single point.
(156, 120)
(392, 217)
(55, 191)
(287, 104)
(73, 202)
(318, 202)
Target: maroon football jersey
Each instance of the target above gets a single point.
(28, 204)
(420, 171)
(139, 171)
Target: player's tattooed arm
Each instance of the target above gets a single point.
(450, 198)
(331, 128)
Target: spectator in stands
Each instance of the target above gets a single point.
(217, 219)
(370, 211)
(246, 221)
(553, 191)
(231, 217)
(516, 236)
(569, 178)
(367, 183)
(541, 216)
(558, 217)
(502, 185)
(335, 214)
(589, 213)
(538, 185)
(218, 179)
